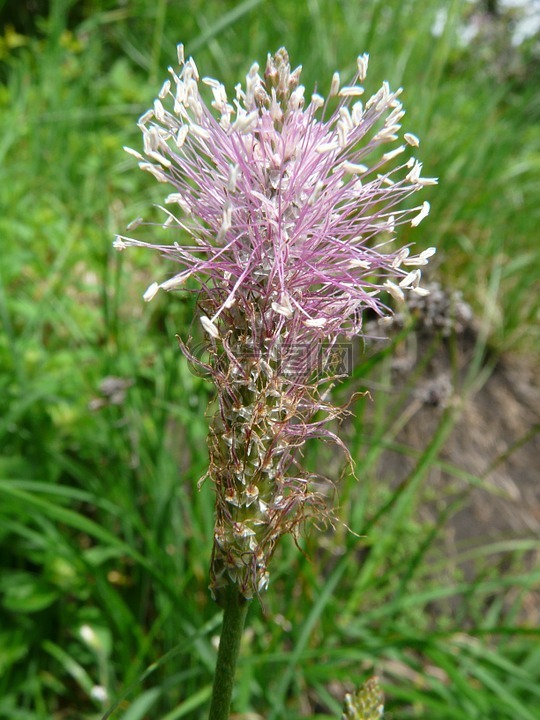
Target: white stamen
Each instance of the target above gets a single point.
(424, 212)
(414, 174)
(296, 100)
(199, 131)
(395, 291)
(393, 129)
(420, 291)
(400, 257)
(173, 282)
(326, 147)
(151, 292)
(134, 223)
(429, 252)
(240, 94)
(150, 140)
(395, 116)
(225, 120)
(211, 82)
(148, 115)
(362, 62)
(180, 53)
(334, 87)
(177, 198)
(159, 110)
(281, 310)
(119, 244)
(317, 101)
(315, 322)
(164, 89)
(364, 264)
(220, 99)
(411, 140)
(233, 176)
(181, 136)
(351, 91)
(160, 158)
(345, 116)
(422, 259)
(342, 133)
(411, 279)
(354, 168)
(393, 153)
(135, 154)
(285, 308)
(193, 66)
(209, 326)
(427, 181)
(381, 94)
(357, 113)
(253, 71)
(226, 223)
(244, 123)
(153, 170)
(387, 134)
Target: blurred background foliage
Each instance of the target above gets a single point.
(104, 537)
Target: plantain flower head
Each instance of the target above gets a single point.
(289, 208)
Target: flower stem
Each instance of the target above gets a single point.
(234, 616)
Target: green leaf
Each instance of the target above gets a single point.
(71, 666)
(141, 705)
(25, 593)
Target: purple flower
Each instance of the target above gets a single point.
(299, 210)
(291, 208)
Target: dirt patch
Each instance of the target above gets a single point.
(496, 437)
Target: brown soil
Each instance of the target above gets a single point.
(496, 437)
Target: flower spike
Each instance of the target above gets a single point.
(288, 213)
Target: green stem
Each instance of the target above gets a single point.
(234, 616)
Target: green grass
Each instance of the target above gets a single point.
(101, 522)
